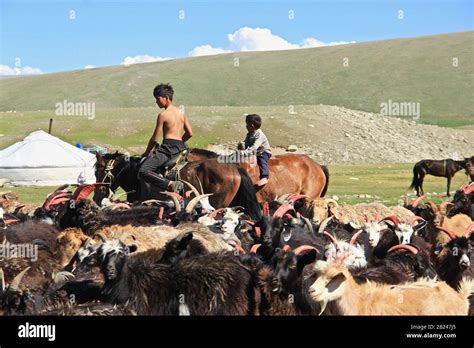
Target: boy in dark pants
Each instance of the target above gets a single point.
(256, 142)
(176, 131)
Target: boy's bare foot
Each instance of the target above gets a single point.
(262, 182)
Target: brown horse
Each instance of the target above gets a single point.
(442, 168)
(289, 173)
(229, 184)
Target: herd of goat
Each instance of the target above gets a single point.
(180, 256)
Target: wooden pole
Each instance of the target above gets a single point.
(50, 125)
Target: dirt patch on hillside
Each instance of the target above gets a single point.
(336, 135)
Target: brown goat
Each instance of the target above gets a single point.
(423, 297)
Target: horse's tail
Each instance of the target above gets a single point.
(246, 197)
(415, 183)
(326, 173)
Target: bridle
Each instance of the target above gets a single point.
(110, 177)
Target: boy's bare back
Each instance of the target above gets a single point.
(173, 123)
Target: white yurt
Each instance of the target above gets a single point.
(44, 160)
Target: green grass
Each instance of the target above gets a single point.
(410, 70)
(386, 183)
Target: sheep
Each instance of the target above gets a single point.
(213, 284)
(334, 283)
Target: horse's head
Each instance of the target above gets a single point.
(470, 167)
(104, 173)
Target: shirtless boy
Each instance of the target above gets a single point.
(176, 131)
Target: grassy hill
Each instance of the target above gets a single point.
(409, 70)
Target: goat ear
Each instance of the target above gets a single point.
(131, 248)
(305, 259)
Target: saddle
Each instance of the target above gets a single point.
(171, 168)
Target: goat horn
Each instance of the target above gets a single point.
(17, 280)
(101, 236)
(410, 248)
(194, 189)
(200, 184)
(254, 248)
(303, 248)
(468, 231)
(392, 218)
(2, 281)
(294, 198)
(330, 200)
(448, 232)
(308, 224)
(417, 201)
(238, 247)
(17, 209)
(333, 240)
(412, 220)
(213, 213)
(177, 205)
(405, 200)
(192, 204)
(323, 224)
(151, 201)
(355, 236)
(283, 209)
(120, 205)
(444, 204)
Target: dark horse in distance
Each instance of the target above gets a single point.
(442, 168)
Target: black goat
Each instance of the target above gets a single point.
(213, 284)
(453, 258)
(463, 203)
(280, 284)
(403, 263)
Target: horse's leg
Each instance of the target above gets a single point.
(420, 184)
(449, 184)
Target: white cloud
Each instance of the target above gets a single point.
(206, 50)
(259, 39)
(6, 70)
(312, 42)
(145, 58)
(90, 67)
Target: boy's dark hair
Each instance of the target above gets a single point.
(164, 90)
(254, 120)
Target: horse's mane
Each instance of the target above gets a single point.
(203, 152)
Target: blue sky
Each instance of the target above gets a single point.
(43, 36)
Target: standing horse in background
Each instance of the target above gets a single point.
(442, 168)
